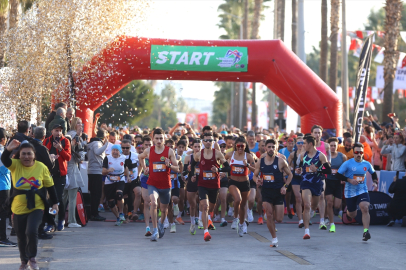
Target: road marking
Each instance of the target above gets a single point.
(45, 256)
(260, 238)
(292, 256)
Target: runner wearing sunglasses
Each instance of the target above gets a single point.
(209, 180)
(241, 162)
(273, 185)
(354, 171)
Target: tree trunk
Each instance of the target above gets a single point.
(393, 10)
(3, 24)
(281, 36)
(13, 18)
(335, 27)
(245, 90)
(294, 26)
(323, 43)
(236, 104)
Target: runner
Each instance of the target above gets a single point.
(115, 168)
(239, 185)
(133, 186)
(353, 171)
(209, 182)
(253, 193)
(147, 143)
(273, 187)
(290, 144)
(294, 161)
(325, 149)
(334, 191)
(314, 165)
(222, 200)
(161, 161)
(191, 186)
(180, 207)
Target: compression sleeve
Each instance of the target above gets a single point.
(185, 170)
(341, 177)
(375, 177)
(226, 168)
(326, 168)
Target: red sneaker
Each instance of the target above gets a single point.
(207, 237)
(306, 236)
(260, 221)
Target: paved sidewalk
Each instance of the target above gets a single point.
(101, 245)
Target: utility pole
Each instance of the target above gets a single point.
(344, 73)
(271, 96)
(301, 36)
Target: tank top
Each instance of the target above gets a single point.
(194, 170)
(159, 174)
(237, 167)
(322, 148)
(208, 178)
(118, 165)
(271, 175)
(335, 165)
(296, 166)
(308, 175)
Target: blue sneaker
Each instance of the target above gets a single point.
(101, 208)
(223, 224)
(141, 217)
(119, 222)
(161, 229)
(154, 236)
(61, 226)
(148, 231)
(196, 221)
(121, 217)
(49, 228)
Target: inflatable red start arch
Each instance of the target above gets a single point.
(267, 61)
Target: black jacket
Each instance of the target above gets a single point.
(398, 188)
(42, 154)
(50, 117)
(20, 137)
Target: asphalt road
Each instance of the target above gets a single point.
(101, 245)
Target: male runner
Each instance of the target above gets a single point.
(353, 171)
(314, 165)
(209, 180)
(222, 200)
(273, 187)
(161, 160)
(178, 208)
(286, 151)
(147, 143)
(325, 149)
(334, 191)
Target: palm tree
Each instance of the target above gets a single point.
(3, 24)
(13, 15)
(281, 36)
(294, 26)
(334, 21)
(393, 10)
(323, 43)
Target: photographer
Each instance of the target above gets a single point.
(397, 150)
(397, 207)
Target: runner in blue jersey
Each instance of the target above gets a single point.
(314, 165)
(354, 171)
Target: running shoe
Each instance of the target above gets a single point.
(260, 221)
(24, 266)
(322, 226)
(121, 216)
(230, 212)
(161, 229)
(49, 228)
(301, 224)
(192, 229)
(250, 216)
(340, 214)
(166, 223)
(265, 217)
(274, 242)
(327, 221)
(200, 225)
(245, 228)
(159, 213)
(306, 236)
(119, 222)
(179, 220)
(148, 231)
(141, 217)
(173, 228)
(7, 243)
(366, 236)
(391, 223)
(290, 216)
(61, 224)
(154, 236)
(216, 218)
(211, 225)
(207, 237)
(234, 224)
(240, 229)
(33, 264)
(332, 228)
(312, 213)
(175, 209)
(196, 221)
(74, 225)
(223, 224)
(101, 208)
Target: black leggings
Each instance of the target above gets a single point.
(4, 194)
(26, 227)
(95, 187)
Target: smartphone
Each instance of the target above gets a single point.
(367, 113)
(182, 124)
(57, 139)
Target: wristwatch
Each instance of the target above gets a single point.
(285, 185)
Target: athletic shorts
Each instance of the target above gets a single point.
(315, 188)
(144, 180)
(224, 182)
(208, 193)
(181, 182)
(111, 189)
(296, 181)
(164, 194)
(272, 196)
(253, 184)
(191, 186)
(333, 187)
(104, 178)
(354, 201)
(175, 192)
(242, 186)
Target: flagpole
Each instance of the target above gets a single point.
(344, 66)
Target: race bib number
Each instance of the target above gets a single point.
(359, 178)
(269, 177)
(115, 178)
(197, 171)
(209, 175)
(173, 176)
(308, 170)
(334, 171)
(159, 167)
(239, 170)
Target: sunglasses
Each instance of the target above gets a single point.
(358, 152)
(240, 146)
(222, 146)
(208, 140)
(124, 148)
(300, 143)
